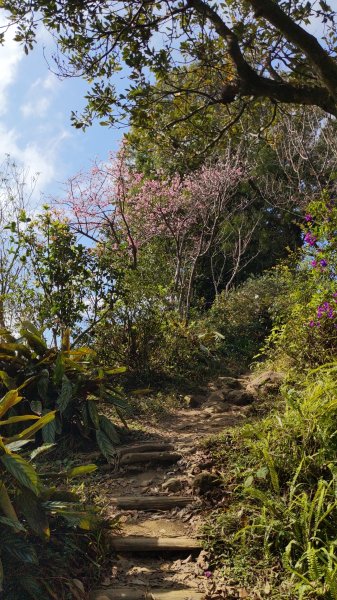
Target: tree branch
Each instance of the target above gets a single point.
(319, 58)
(250, 83)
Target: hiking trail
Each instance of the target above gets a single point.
(158, 493)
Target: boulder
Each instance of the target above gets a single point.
(215, 397)
(239, 397)
(205, 482)
(265, 382)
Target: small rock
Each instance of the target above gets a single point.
(193, 401)
(174, 484)
(215, 408)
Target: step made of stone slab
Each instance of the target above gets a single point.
(126, 593)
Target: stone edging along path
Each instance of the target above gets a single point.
(156, 494)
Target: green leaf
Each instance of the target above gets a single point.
(59, 370)
(31, 327)
(35, 342)
(34, 513)
(8, 381)
(65, 395)
(93, 413)
(49, 431)
(83, 470)
(262, 473)
(18, 547)
(22, 470)
(41, 450)
(105, 446)
(43, 384)
(141, 391)
(84, 519)
(118, 402)
(15, 446)
(30, 431)
(62, 496)
(16, 525)
(18, 419)
(31, 585)
(115, 371)
(10, 399)
(249, 481)
(109, 429)
(36, 406)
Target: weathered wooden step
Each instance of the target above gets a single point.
(125, 593)
(136, 458)
(151, 502)
(146, 447)
(137, 543)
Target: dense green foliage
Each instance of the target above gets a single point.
(66, 381)
(30, 508)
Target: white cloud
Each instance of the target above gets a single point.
(37, 159)
(33, 139)
(37, 108)
(10, 56)
(51, 82)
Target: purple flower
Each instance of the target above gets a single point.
(308, 218)
(310, 238)
(208, 574)
(325, 309)
(323, 262)
(314, 263)
(311, 323)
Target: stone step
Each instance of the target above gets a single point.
(137, 543)
(125, 593)
(151, 502)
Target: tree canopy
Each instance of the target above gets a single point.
(228, 53)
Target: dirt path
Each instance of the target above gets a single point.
(158, 554)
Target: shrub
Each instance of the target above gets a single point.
(305, 316)
(243, 317)
(30, 510)
(66, 381)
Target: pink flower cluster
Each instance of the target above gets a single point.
(115, 198)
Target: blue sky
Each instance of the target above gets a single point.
(35, 124)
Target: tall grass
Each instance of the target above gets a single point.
(284, 489)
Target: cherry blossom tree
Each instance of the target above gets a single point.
(113, 204)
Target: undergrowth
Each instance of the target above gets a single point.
(280, 477)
